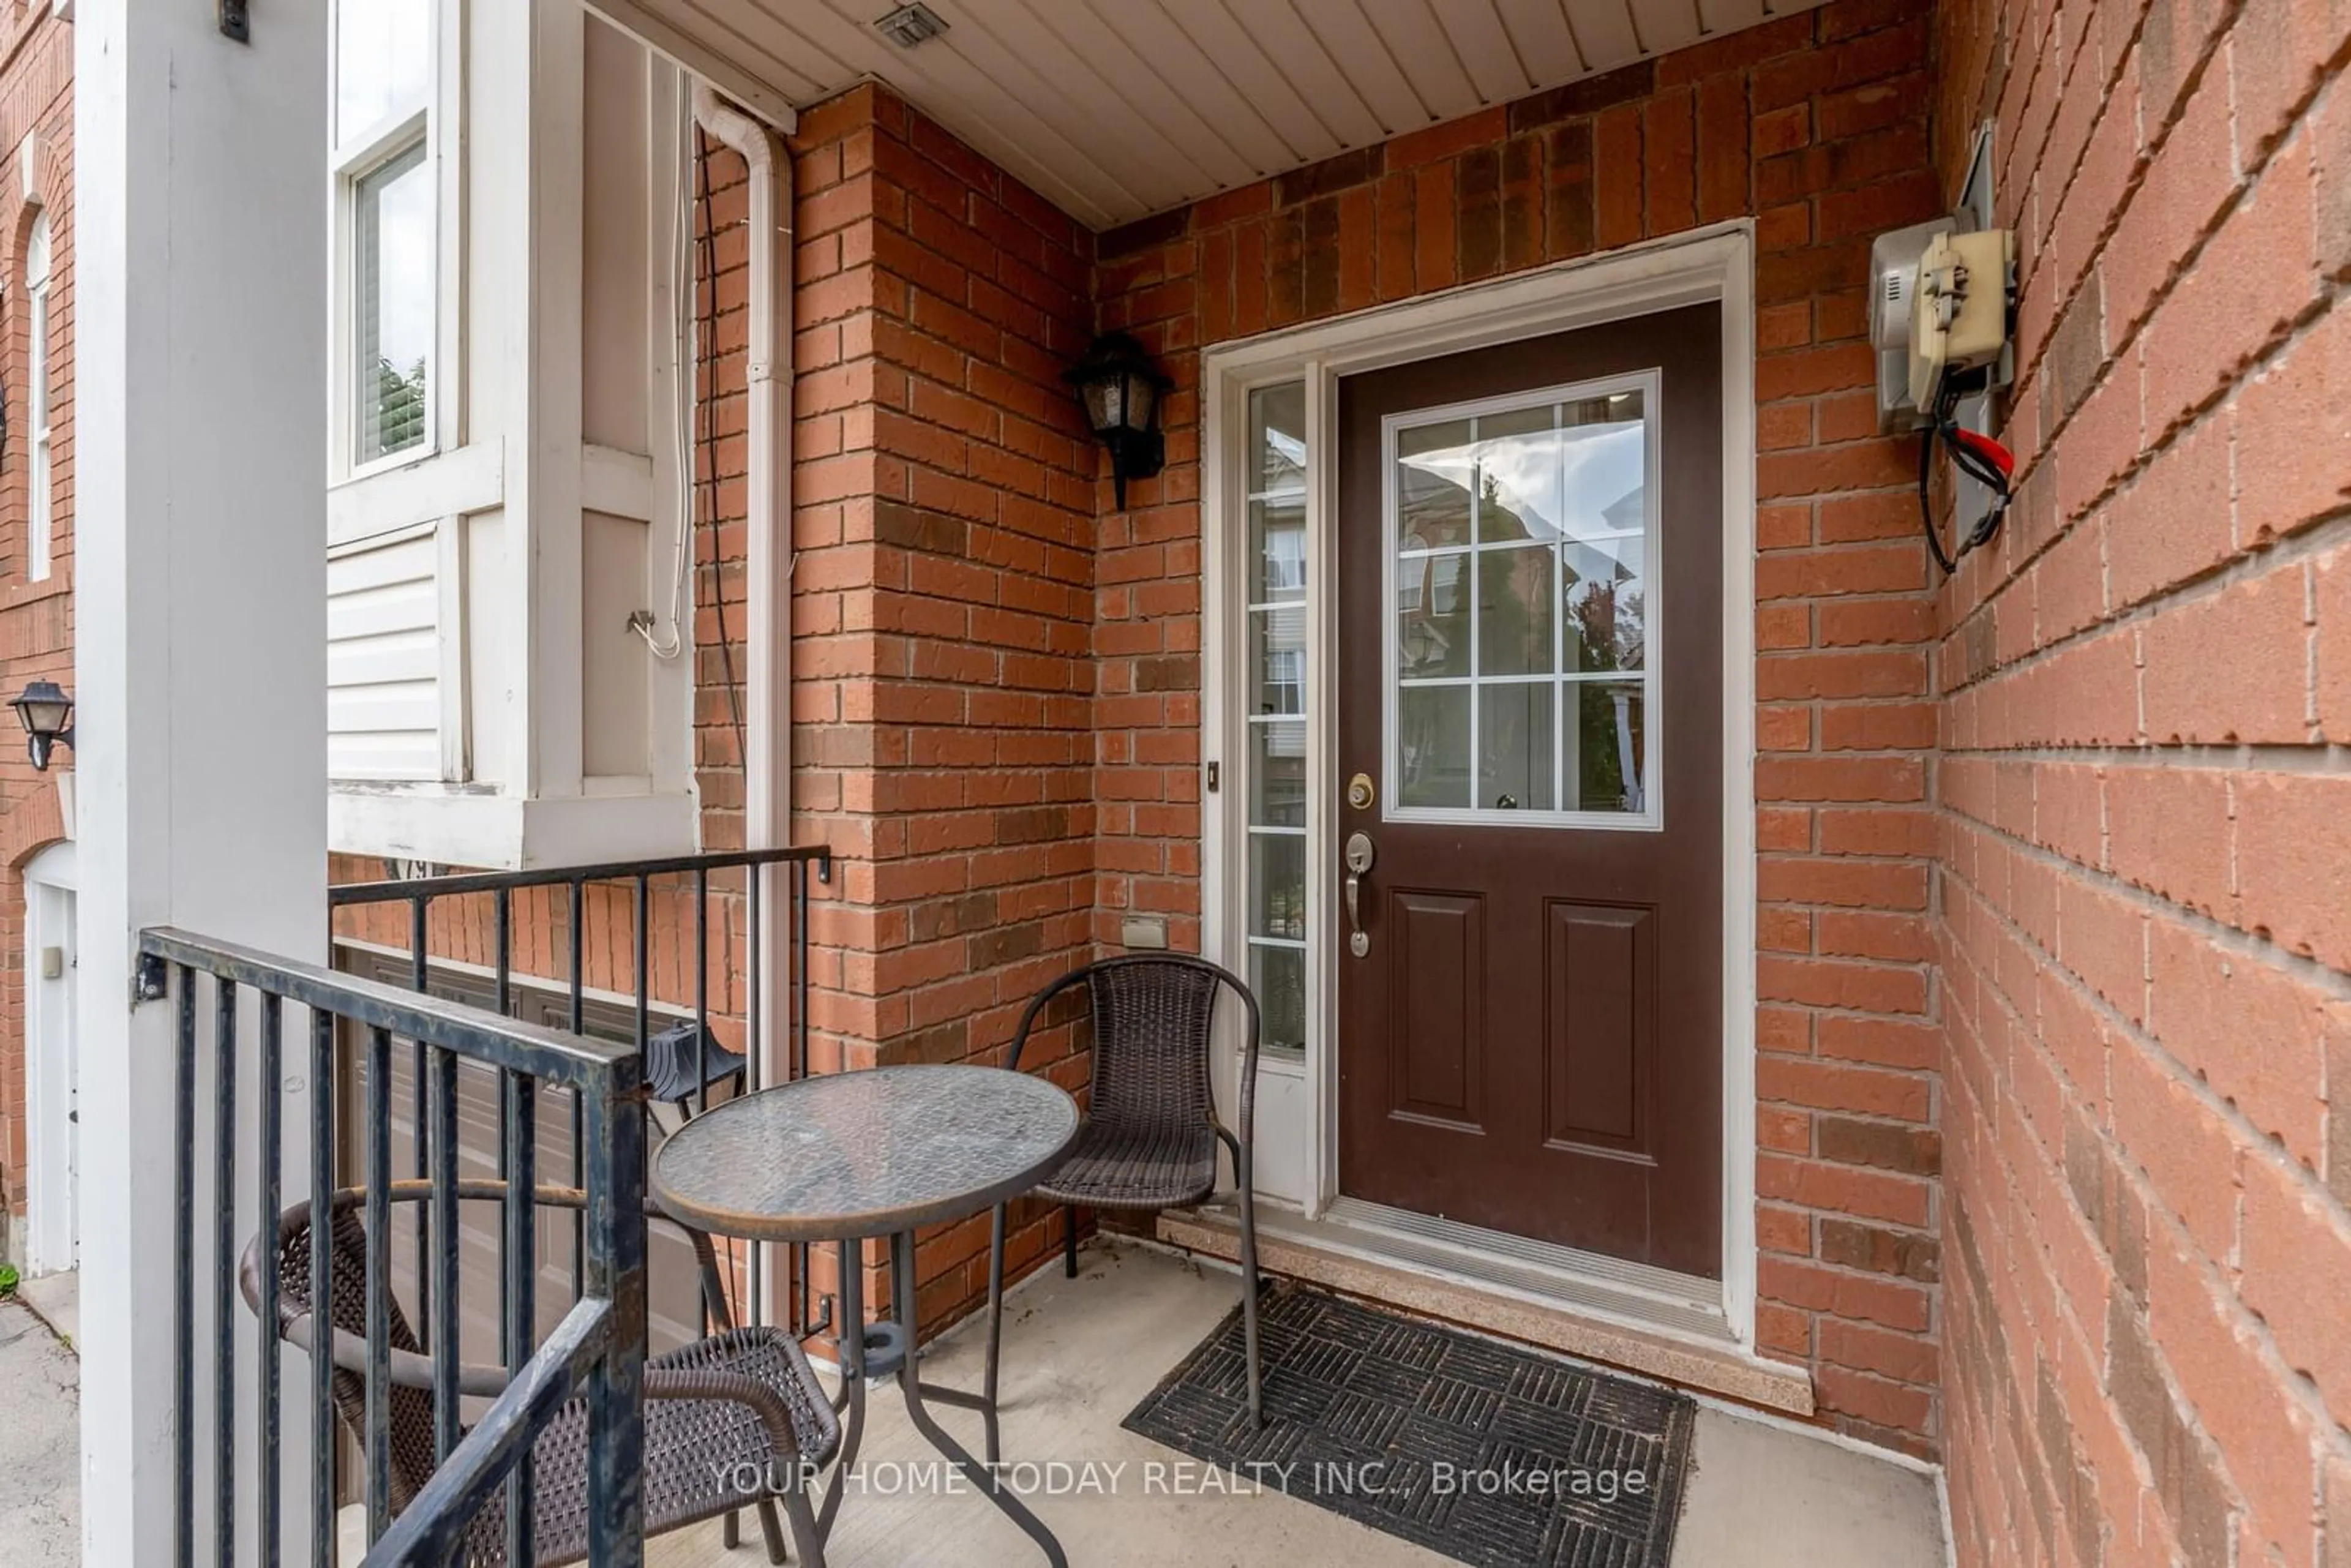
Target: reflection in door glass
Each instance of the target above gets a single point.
(1605, 584)
(1278, 886)
(1277, 915)
(1278, 976)
(1514, 746)
(1516, 454)
(1521, 539)
(1433, 742)
(1277, 658)
(1278, 776)
(1433, 614)
(1604, 770)
(1516, 607)
(1278, 669)
(1435, 479)
(1278, 494)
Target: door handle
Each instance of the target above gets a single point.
(1358, 858)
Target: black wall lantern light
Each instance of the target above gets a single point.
(46, 714)
(1122, 390)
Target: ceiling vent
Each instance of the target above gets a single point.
(910, 24)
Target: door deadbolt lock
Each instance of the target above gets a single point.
(1359, 857)
(1360, 794)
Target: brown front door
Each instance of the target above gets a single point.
(1531, 685)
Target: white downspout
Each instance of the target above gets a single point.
(768, 580)
(767, 763)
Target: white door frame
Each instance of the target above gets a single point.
(51, 879)
(1298, 1103)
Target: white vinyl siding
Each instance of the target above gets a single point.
(384, 661)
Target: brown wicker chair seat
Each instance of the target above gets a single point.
(1116, 1166)
(734, 1407)
(692, 1446)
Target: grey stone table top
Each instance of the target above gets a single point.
(864, 1154)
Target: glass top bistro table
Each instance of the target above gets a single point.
(851, 1155)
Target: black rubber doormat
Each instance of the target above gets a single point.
(1490, 1456)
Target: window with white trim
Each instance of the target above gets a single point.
(1278, 713)
(387, 201)
(40, 485)
(1523, 564)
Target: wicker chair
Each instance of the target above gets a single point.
(740, 1397)
(1150, 1132)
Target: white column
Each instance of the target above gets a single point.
(201, 375)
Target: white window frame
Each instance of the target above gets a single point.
(352, 159)
(1249, 611)
(1650, 818)
(40, 469)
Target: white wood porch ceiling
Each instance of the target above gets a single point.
(1114, 110)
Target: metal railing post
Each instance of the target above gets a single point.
(616, 1273)
(299, 1267)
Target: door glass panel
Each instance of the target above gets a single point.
(1277, 440)
(1605, 586)
(1278, 976)
(1517, 475)
(1279, 563)
(1277, 659)
(1603, 449)
(1515, 611)
(1514, 746)
(1433, 614)
(1278, 775)
(1276, 494)
(1521, 536)
(1604, 769)
(1277, 885)
(1433, 745)
(1437, 468)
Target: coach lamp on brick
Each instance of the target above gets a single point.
(47, 713)
(1942, 306)
(1122, 390)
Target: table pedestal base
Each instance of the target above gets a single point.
(886, 1349)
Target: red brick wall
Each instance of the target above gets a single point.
(1817, 125)
(943, 683)
(36, 618)
(2143, 811)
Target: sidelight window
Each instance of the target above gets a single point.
(1521, 680)
(1276, 689)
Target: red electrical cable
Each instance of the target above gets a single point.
(1980, 458)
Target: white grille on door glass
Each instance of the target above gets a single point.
(1520, 670)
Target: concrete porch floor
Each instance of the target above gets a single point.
(1080, 1353)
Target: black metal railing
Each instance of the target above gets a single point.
(690, 1076)
(597, 1349)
